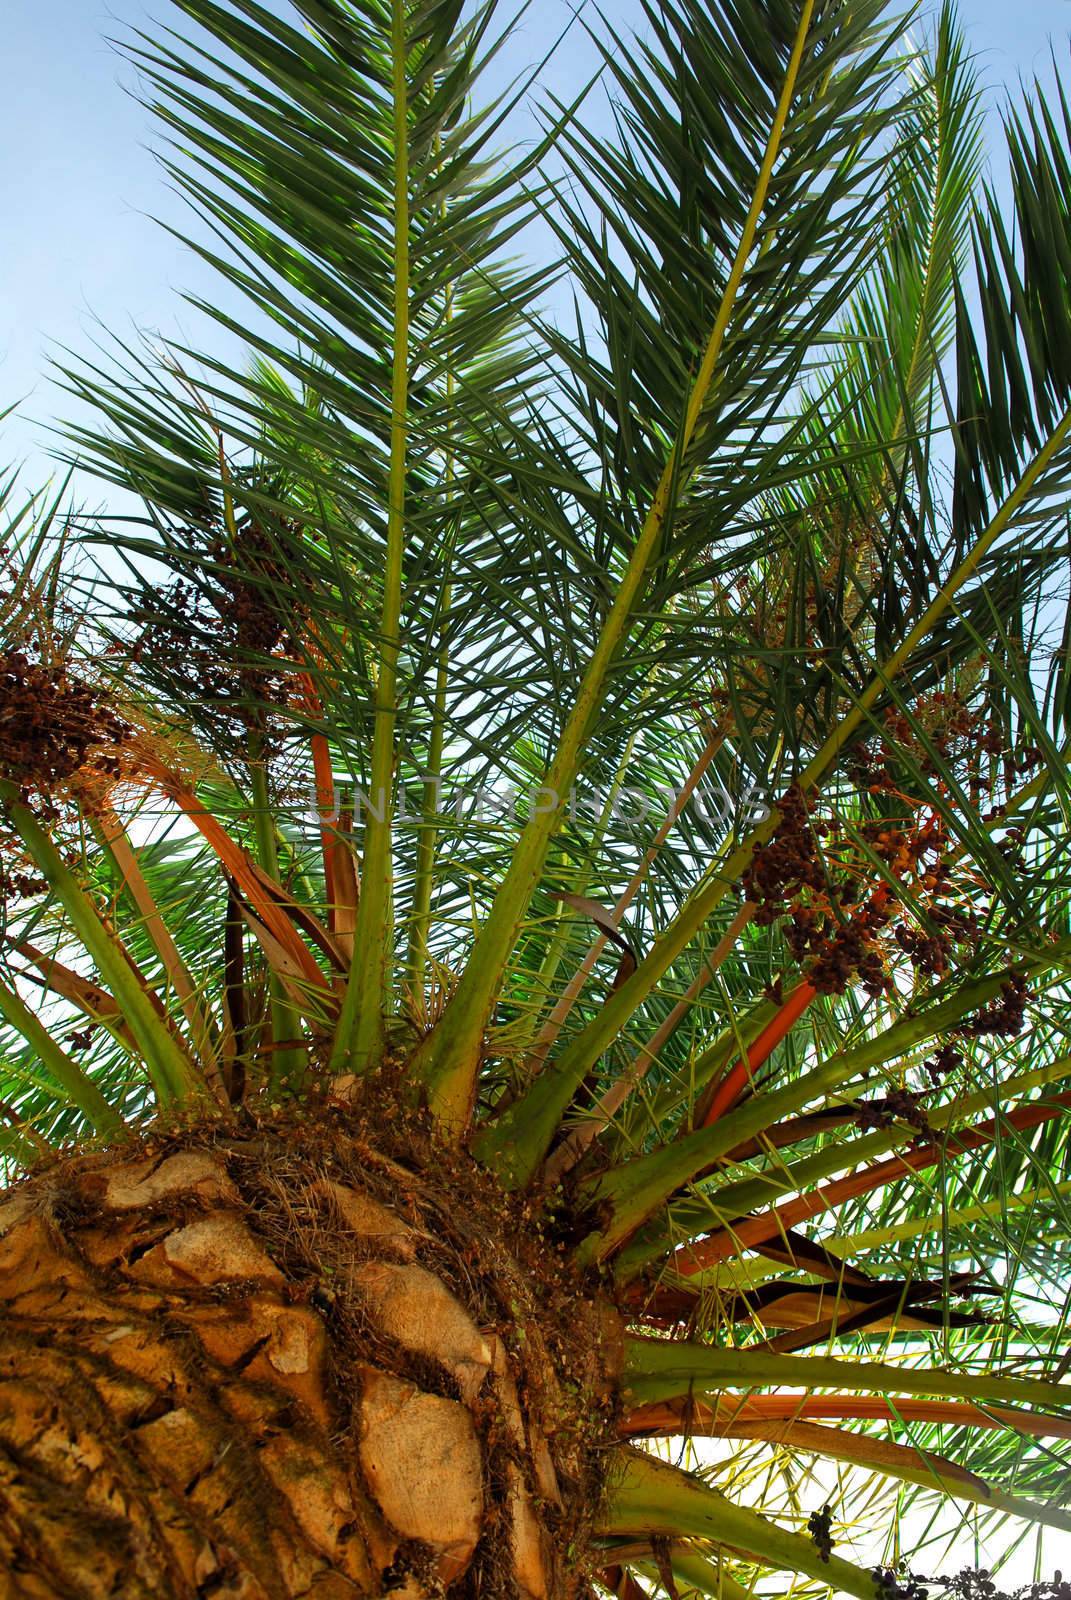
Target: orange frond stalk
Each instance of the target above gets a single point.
(318, 1006)
(93, 1001)
(670, 1418)
(345, 876)
(728, 1091)
(302, 919)
(244, 873)
(323, 776)
(750, 1232)
(126, 860)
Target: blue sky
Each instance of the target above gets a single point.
(79, 185)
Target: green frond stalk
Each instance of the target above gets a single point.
(70, 1077)
(288, 1058)
(649, 1496)
(519, 1141)
(117, 843)
(360, 1034)
(175, 1078)
(450, 1061)
(664, 1370)
(726, 1208)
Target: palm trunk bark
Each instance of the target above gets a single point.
(288, 1365)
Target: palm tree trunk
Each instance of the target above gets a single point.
(290, 1364)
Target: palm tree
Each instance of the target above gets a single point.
(536, 862)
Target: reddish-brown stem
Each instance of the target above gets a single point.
(665, 1419)
(324, 779)
(622, 1584)
(728, 1091)
(241, 870)
(749, 1232)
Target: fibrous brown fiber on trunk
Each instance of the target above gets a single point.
(292, 1360)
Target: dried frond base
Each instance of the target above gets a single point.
(303, 1359)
